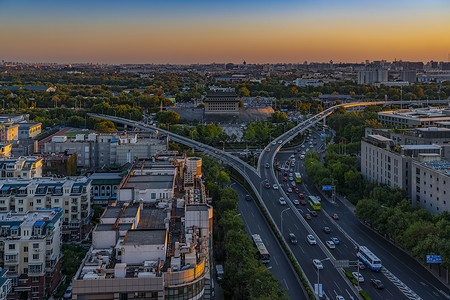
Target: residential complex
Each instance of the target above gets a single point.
(373, 75)
(152, 246)
(98, 150)
(71, 195)
(21, 167)
(30, 249)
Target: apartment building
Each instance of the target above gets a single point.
(431, 185)
(99, 150)
(149, 181)
(104, 188)
(9, 132)
(418, 169)
(30, 249)
(29, 130)
(21, 167)
(372, 75)
(150, 250)
(380, 164)
(72, 195)
(5, 284)
(5, 149)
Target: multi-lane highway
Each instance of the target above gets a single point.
(279, 264)
(401, 280)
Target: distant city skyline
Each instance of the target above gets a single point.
(199, 31)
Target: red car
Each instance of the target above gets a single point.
(302, 202)
(297, 191)
(285, 179)
(301, 196)
(298, 150)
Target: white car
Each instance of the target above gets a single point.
(295, 201)
(275, 186)
(338, 297)
(358, 276)
(282, 201)
(331, 244)
(274, 143)
(267, 165)
(280, 141)
(311, 240)
(318, 264)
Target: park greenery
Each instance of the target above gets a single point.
(245, 277)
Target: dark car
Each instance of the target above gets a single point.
(308, 217)
(301, 196)
(377, 283)
(248, 197)
(285, 179)
(314, 213)
(285, 173)
(292, 238)
(302, 202)
(267, 185)
(327, 230)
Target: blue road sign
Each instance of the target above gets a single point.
(434, 259)
(326, 188)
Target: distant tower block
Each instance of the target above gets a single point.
(194, 166)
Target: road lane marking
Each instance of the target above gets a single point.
(296, 226)
(286, 283)
(275, 260)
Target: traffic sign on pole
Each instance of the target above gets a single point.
(434, 259)
(345, 263)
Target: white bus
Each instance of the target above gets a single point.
(263, 254)
(373, 262)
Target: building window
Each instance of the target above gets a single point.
(25, 249)
(35, 289)
(35, 246)
(35, 256)
(35, 279)
(12, 246)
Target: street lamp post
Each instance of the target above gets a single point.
(282, 219)
(318, 272)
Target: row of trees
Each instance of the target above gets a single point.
(245, 277)
(412, 227)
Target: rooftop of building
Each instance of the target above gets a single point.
(418, 113)
(152, 218)
(105, 176)
(129, 211)
(144, 182)
(28, 125)
(434, 129)
(379, 138)
(420, 147)
(139, 237)
(442, 166)
(40, 217)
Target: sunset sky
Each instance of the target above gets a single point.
(196, 31)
